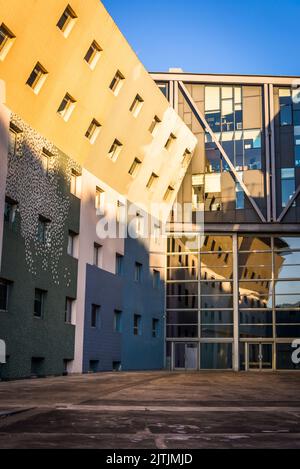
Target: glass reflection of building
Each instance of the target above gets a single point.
(233, 292)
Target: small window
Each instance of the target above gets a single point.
(154, 125)
(186, 158)
(152, 181)
(66, 107)
(72, 238)
(117, 83)
(46, 160)
(10, 210)
(118, 321)
(156, 279)
(138, 270)
(117, 366)
(6, 41)
(119, 264)
(288, 185)
(95, 317)
(240, 197)
(14, 134)
(169, 193)
(75, 183)
(94, 366)
(4, 291)
(39, 303)
(170, 141)
(120, 212)
(93, 54)
(37, 78)
(67, 21)
(93, 131)
(137, 324)
(69, 310)
(100, 201)
(156, 234)
(115, 150)
(135, 167)
(43, 225)
(137, 105)
(98, 251)
(155, 328)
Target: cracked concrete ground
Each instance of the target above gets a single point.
(152, 410)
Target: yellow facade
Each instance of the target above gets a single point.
(39, 40)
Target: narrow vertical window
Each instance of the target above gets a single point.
(75, 185)
(100, 201)
(93, 55)
(117, 83)
(69, 310)
(67, 21)
(170, 141)
(154, 125)
(134, 168)
(67, 107)
(137, 325)
(93, 131)
(37, 78)
(137, 105)
(115, 150)
(6, 41)
(39, 303)
(152, 181)
(288, 185)
(98, 251)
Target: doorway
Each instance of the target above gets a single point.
(259, 356)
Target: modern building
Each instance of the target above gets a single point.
(233, 284)
(94, 151)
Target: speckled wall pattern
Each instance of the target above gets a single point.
(40, 193)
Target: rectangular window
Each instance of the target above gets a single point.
(170, 141)
(94, 366)
(75, 183)
(115, 150)
(117, 83)
(186, 158)
(154, 125)
(93, 131)
(46, 160)
(286, 107)
(156, 279)
(155, 328)
(95, 316)
(10, 210)
(66, 107)
(93, 54)
(119, 264)
(100, 201)
(14, 134)
(156, 234)
(137, 105)
(118, 321)
(137, 324)
(98, 251)
(39, 303)
(164, 88)
(69, 310)
(152, 181)
(67, 21)
(287, 185)
(240, 197)
(4, 290)
(43, 225)
(72, 238)
(134, 169)
(138, 272)
(37, 78)
(168, 194)
(120, 212)
(6, 41)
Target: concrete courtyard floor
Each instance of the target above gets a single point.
(152, 410)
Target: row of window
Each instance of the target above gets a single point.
(40, 297)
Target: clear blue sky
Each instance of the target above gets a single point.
(213, 36)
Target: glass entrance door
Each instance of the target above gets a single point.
(185, 356)
(259, 356)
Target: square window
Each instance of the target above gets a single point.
(170, 141)
(6, 41)
(66, 107)
(137, 325)
(95, 316)
(152, 181)
(155, 328)
(138, 272)
(137, 105)
(98, 251)
(134, 169)
(37, 78)
(39, 303)
(93, 131)
(115, 150)
(117, 83)
(93, 54)
(119, 264)
(69, 310)
(118, 321)
(154, 125)
(67, 21)
(4, 291)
